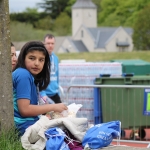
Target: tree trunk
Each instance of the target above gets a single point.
(6, 103)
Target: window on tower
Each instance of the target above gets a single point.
(82, 34)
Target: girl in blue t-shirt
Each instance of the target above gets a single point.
(31, 73)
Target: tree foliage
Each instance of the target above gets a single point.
(28, 16)
(141, 36)
(68, 7)
(53, 7)
(120, 13)
(62, 24)
(98, 4)
(57, 16)
(110, 12)
(45, 23)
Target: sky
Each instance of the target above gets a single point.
(21, 5)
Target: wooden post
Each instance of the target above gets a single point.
(6, 102)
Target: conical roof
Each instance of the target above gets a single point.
(84, 4)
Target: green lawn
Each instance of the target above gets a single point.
(9, 140)
(95, 57)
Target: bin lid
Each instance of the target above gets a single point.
(131, 61)
(140, 80)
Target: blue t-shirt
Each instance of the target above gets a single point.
(23, 88)
(53, 87)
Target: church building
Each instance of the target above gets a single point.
(87, 37)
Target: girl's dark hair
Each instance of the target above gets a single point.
(11, 44)
(43, 78)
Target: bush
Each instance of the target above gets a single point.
(62, 24)
(25, 32)
(141, 36)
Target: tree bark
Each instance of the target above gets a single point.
(6, 102)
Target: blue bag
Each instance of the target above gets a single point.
(101, 135)
(55, 140)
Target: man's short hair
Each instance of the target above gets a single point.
(49, 36)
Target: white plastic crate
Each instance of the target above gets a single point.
(84, 73)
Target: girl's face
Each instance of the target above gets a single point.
(34, 61)
(13, 57)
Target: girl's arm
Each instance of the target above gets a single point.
(28, 110)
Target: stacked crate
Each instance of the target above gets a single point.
(84, 73)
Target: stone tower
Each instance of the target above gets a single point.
(84, 12)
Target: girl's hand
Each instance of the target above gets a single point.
(60, 107)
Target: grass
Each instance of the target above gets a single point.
(97, 57)
(9, 140)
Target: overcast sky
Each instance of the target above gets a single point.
(21, 5)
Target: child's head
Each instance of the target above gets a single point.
(35, 58)
(49, 41)
(13, 56)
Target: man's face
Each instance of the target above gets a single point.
(49, 44)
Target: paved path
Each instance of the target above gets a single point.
(124, 148)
